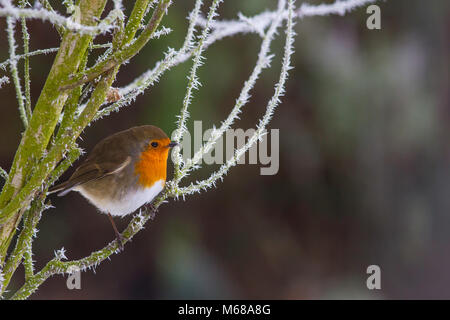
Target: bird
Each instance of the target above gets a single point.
(123, 172)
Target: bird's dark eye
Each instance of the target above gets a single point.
(154, 144)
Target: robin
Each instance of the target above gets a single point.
(123, 172)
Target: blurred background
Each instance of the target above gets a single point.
(364, 174)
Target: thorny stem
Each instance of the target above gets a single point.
(23, 245)
(68, 24)
(26, 67)
(56, 266)
(42, 124)
(193, 83)
(150, 77)
(263, 61)
(14, 72)
(71, 105)
(260, 131)
(46, 4)
(47, 51)
(124, 54)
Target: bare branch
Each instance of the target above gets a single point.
(14, 72)
(106, 25)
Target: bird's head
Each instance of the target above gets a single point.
(152, 163)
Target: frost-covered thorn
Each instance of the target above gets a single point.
(3, 80)
(60, 254)
(255, 27)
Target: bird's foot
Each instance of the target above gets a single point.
(152, 208)
(120, 241)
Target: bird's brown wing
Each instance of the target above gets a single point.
(88, 171)
(109, 156)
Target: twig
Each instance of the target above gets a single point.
(263, 61)
(23, 244)
(46, 4)
(150, 77)
(272, 104)
(338, 7)
(104, 26)
(56, 266)
(193, 84)
(26, 67)
(14, 72)
(122, 55)
(221, 29)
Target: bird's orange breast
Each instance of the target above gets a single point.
(152, 164)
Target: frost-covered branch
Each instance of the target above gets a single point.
(264, 60)
(56, 266)
(106, 25)
(24, 242)
(261, 127)
(172, 58)
(17, 58)
(26, 67)
(338, 7)
(193, 84)
(123, 54)
(220, 29)
(14, 72)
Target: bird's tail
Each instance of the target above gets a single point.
(63, 188)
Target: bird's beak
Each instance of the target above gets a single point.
(173, 144)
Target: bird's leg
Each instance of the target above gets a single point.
(152, 207)
(119, 237)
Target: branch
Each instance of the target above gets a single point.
(46, 51)
(261, 21)
(72, 103)
(124, 54)
(147, 79)
(42, 124)
(259, 133)
(193, 84)
(23, 244)
(263, 61)
(338, 7)
(104, 26)
(46, 4)
(221, 29)
(14, 72)
(56, 266)
(26, 67)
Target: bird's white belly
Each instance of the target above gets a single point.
(129, 203)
